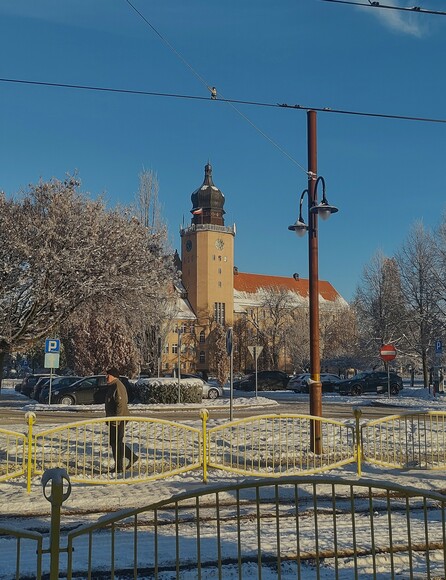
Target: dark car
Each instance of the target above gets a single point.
(371, 382)
(266, 381)
(37, 389)
(42, 389)
(88, 391)
(30, 381)
(300, 384)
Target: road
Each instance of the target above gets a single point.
(13, 409)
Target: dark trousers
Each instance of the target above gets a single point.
(119, 449)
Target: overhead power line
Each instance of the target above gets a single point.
(373, 4)
(236, 101)
(212, 89)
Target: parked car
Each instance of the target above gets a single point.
(87, 391)
(56, 383)
(266, 381)
(300, 384)
(29, 382)
(36, 390)
(371, 382)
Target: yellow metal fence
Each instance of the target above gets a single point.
(266, 445)
(408, 441)
(83, 449)
(13, 448)
(276, 445)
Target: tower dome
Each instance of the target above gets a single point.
(208, 201)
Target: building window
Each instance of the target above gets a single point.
(174, 348)
(192, 328)
(219, 312)
(219, 270)
(202, 337)
(202, 357)
(166, 348)
(219, 284)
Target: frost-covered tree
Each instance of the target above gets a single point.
(380, 305)
(60, 250)
(418, 264)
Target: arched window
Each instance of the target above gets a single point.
(202, 337)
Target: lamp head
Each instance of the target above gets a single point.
(324, 209)
(300, 228)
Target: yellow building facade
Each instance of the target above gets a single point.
(212, 290)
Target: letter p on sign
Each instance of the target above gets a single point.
(52, 345)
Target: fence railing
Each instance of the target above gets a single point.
(13, 456)
(276, 445)
(266, 445)
(163, 449)
(409, 441)
(299, 526)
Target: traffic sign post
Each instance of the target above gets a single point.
(255, 351)
(438, 383)
(229, 350)
(387, 354)
(52, 354)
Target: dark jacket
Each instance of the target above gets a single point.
(116, 400)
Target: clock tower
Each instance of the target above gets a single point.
(207, 261)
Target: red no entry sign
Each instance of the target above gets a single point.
(387, 352)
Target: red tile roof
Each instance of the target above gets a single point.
(251, 283)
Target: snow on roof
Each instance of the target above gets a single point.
(246, 285)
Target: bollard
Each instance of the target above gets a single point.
(357, 412)
(29, 466)
(56, 476)
(204, 414)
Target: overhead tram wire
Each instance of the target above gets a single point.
(373, 4)
(236, 101)
(212, 89)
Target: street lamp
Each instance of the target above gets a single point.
(324, 210)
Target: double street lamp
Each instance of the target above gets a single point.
(323, 210)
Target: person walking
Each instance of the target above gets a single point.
(116, 406)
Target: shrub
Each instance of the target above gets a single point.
(165, 390)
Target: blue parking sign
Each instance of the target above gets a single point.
(52, 345)
(438, 347)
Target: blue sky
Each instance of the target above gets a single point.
(382, 174)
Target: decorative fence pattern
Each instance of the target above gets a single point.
(266, 445)
(276, 445)
(291, 527)
(409, 441)
(83, 450)
(13, 447)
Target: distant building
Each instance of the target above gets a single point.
(213, 291)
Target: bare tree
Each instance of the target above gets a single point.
(417, 261)
(60, 250)
(379, 304)
(271, 321)
(339, 339)
(147, 202)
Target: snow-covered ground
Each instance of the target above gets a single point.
(86, 503)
